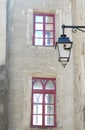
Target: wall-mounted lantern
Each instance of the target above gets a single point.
(65, 45)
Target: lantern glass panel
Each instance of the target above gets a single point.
(64, 54)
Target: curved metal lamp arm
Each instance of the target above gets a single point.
(81, 30)
(74, 28)
(65, 43)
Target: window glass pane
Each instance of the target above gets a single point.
(48, 42)
(37, 98)
(37, 120)
(49, 120)
(48, 19)
(37, 109)
(49, 26)
(49, 34)
(49, 109)
(37, 85)
(38, 33)
(38, 41)
(49, 98)
(39, 19)
(50, 85)
(38, 26)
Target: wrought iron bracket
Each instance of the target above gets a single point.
(74, 28)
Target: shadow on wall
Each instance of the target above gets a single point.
(2, 76)
(2, 97)
(2, 68)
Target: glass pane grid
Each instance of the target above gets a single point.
(43, 105)
(44, 22)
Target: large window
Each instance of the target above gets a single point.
(44, 29)
(43, 102)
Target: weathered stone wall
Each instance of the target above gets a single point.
(25, 61)
(79, 65)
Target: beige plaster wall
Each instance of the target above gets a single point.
(25, 61)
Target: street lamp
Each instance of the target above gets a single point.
(65, 45)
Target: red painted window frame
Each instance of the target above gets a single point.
(44, 15)
(34, 79)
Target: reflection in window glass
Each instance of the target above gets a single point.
(37, 109)
(39, 19)
(49, 120)
(37, 85)
(49, 19)
(49, 98)
(37, 120)
(43, 112)
(48, 42)
(49, 109)
(39, 34)
(37, 98)
(49, 34)
(49, 26)
(50, 85)
(38, 41)
(39, 26)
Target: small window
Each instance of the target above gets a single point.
(43, 102)
(44, 29)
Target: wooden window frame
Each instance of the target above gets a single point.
(43, 92)
(44, 15)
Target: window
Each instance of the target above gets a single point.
(44, 29)
(43, 102)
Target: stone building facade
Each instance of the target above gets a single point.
(20, 61)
